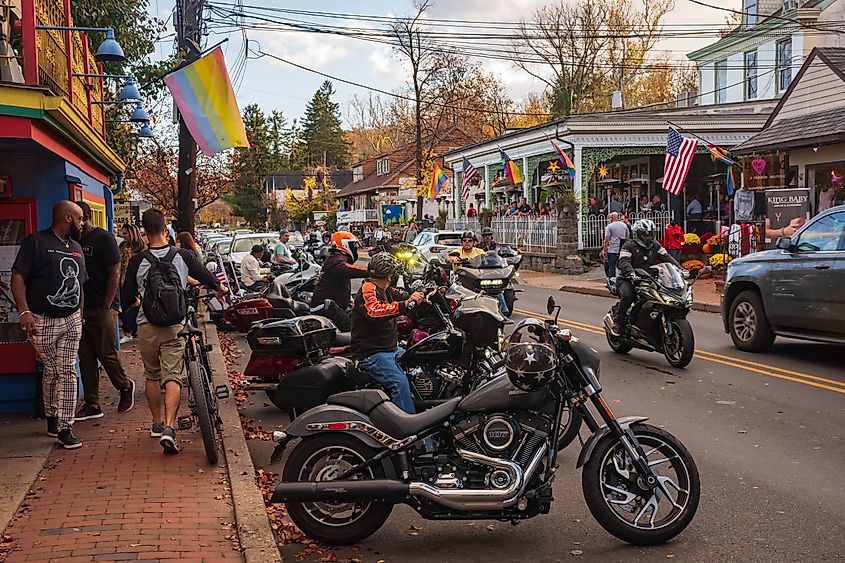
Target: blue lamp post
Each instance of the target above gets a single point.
(108, 51)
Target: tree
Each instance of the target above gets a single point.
(660, 82)
(155, 172)
(534, 110)
(317, 195)
(583, 51)
(376, 125)
(250, 168)
(325, 142)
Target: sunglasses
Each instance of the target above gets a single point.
(467, 240)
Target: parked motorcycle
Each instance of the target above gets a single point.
(302, 278)
(495, 457)
(491, 274)
(658, 319)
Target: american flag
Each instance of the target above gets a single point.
(470, 172)
(679, 153)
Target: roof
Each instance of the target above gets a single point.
(372, 181)
(806, 130)
(294, 179)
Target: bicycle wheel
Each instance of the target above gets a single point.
(202, 408)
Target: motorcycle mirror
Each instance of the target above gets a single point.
(550, 305)
(211, 267)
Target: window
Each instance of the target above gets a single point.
(825, 234)
(784, 64)
(382, 166)
(721, 81)
(751, 75)
(750, 12)
(357, 174)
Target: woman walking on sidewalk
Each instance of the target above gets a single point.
(133, 243)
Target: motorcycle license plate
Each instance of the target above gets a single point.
(248, 311)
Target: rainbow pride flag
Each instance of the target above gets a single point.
(565, 160)
(203, 93)
(438, 179)
(512, 171)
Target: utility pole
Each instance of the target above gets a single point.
(189, 36)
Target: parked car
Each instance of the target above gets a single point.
(437, 244)
(296, 240)
(794, 291)
(242, 245)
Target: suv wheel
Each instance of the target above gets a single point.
(749, 327)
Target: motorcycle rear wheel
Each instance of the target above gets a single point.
(321, 458)
(679, 348)
(626, 510)
(618, 344)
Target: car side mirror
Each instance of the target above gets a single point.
(784, 243)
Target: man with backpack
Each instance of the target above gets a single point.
(160, 276)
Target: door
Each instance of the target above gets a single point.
(17, 219)
(802, 280)
(837, 283)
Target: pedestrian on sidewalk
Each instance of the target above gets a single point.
(673, 239)
(99, 328)
(161, 347)
(132, 244)
(47, 279)
(615, 235)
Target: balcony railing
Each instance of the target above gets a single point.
(51, 57)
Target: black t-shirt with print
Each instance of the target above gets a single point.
(101, 253)
(54, 273)
(524, 208)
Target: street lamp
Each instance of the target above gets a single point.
(140, 115)
(108, 51)
(145, 132)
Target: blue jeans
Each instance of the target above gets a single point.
(383, 367)
(610, 267)
(257, 286)
(503, 304)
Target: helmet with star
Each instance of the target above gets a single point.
(530, 357)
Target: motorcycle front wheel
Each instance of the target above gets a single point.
(322, 458)
(679, 347)
(633, 513)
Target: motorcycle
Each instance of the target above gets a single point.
(491, 274)
(491, 454)
(302, 278)
(658, 319)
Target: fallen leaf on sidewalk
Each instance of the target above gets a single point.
(576, 552)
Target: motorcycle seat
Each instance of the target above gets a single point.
(397, 423)
(280, 302)
(363, 401)
(342, 338)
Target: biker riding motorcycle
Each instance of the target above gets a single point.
(468, 250)
(374, 336)
(487, 242)
(335, 281)
(640, 253)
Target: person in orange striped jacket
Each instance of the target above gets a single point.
(374, 336)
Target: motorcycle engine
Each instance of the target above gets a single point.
(502, 435)
(430, 383)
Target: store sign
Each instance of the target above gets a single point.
(765, 171)
(408, 183)
(122, 214)
(786, 209)
(344, 217)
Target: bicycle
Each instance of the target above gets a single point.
(202, 394)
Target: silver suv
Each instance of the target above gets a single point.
(796, 290)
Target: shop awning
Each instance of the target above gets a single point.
(809, 130)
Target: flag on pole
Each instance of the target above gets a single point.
(438, 178)
(511, 169)
(720, 154)
(203, 93)
(470, 172)
(564, 159)
(679, 153)
(729, 180)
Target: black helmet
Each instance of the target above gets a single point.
(530, 357)
(486, 231)
(469, 235)
(643, 230)
(382, 265)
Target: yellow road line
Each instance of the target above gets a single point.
(747, 365)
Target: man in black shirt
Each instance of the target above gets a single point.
(47, 280)
(160, 346)
(102, 262)
(523, 209)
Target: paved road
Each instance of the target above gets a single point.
(766, 432)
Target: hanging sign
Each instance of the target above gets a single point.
(768, 171)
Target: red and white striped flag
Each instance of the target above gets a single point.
(679, 153)
(470, 172)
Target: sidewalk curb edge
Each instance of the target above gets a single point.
(257, 540)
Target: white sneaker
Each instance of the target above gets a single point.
(126, 338)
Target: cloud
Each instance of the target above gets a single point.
(316, 51)
(383, 62)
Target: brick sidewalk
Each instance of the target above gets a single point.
(119, 498)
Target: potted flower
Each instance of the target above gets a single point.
(693, 267)
(692, 245)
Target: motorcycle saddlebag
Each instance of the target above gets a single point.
(244, 313)
(301, 337)
(310, 386)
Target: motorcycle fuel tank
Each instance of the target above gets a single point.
(500, 394)
(434, 349)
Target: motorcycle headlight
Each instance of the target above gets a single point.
(492, 283)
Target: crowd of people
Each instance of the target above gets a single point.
(72, 281)
(519, 208)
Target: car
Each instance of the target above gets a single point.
(242, 245)
(296, 240)
(437, 244)
(221, 246)
(793, 291)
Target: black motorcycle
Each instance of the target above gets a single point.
(658, 318)
(491, 274)
(495, 458)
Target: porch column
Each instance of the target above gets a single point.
(526, 181)
(487, 185)
(576, 188)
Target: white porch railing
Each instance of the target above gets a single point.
(527, 233)
(593, 226)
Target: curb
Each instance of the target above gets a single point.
(602, 292)
(258, 542)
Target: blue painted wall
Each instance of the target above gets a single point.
(37, 175)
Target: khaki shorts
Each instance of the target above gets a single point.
(162, 352)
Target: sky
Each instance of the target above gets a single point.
(274, 85)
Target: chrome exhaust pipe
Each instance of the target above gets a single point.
(608, 322)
